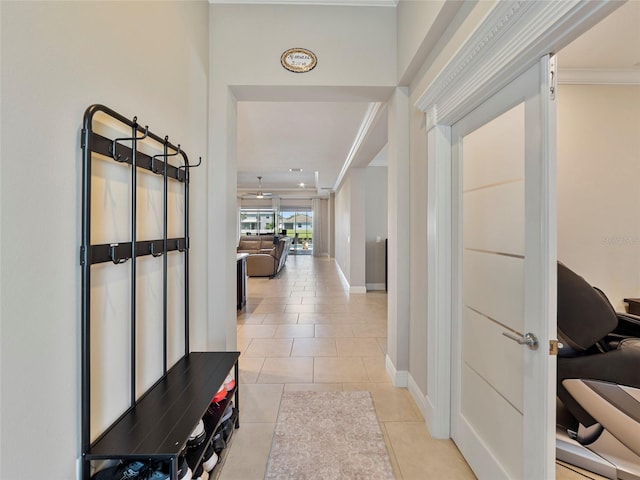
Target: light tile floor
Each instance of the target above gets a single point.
(304, 331)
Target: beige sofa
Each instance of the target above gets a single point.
(265, 259)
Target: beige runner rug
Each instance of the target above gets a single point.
(327, 436)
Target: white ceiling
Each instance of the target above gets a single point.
(276, 136)
(325, 137)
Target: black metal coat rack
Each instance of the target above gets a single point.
(157, 424)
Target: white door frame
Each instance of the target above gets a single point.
(532, 92)
(512, 37)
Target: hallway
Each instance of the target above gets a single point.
(304, 331)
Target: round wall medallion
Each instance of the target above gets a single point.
(298, 60)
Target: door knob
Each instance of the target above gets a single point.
(529, 339)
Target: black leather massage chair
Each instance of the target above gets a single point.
(598, 381)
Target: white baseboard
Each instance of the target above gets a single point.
(429, 415)
(375, 286)
(399, 378)
(439, 426)
(342, 275)
(418, 396)
(352, 288)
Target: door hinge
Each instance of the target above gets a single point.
(553, 347)
(553, 77)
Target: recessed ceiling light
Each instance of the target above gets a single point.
(295, 169)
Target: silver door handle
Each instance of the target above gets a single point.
(529, 339)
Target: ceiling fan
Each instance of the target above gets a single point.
(259, 193)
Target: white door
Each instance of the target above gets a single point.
(503, 184)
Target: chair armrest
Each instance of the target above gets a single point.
(628, 325)
(261, 265)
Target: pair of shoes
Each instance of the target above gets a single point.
(184, 472)
(161, 473)
(122, 471)
(226, 430)
(223, 432)
(138, 470)
(219, 443)
(197, 436)
(214, 410)
(228, 425)
(227, 386)
(220, 395)
(200, 473)
(228, 412)
(229, 383)
(210, 459)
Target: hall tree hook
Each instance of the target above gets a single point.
(192, 166)
(113, 255)
(153, 251)
(114, 144)
(187, 167)
(165, 155)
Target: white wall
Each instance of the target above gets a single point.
(295, 203)
(462, 23)
(420, 26)
(357, 246)
(354, 45)
(57, 59)
(343, 227)
(350, 229)
(414, 20)
(598, 195)
(418, 251)
(331, 224)
(399, 219)
(376, 226)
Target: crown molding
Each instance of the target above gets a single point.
(366, 124)
(331, 3)
(599, 76)
(512, 37)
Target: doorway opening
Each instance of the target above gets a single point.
(598, 226)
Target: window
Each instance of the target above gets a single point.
(256, 221)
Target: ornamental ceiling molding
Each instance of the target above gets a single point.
(329, 3)
(512, 37)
